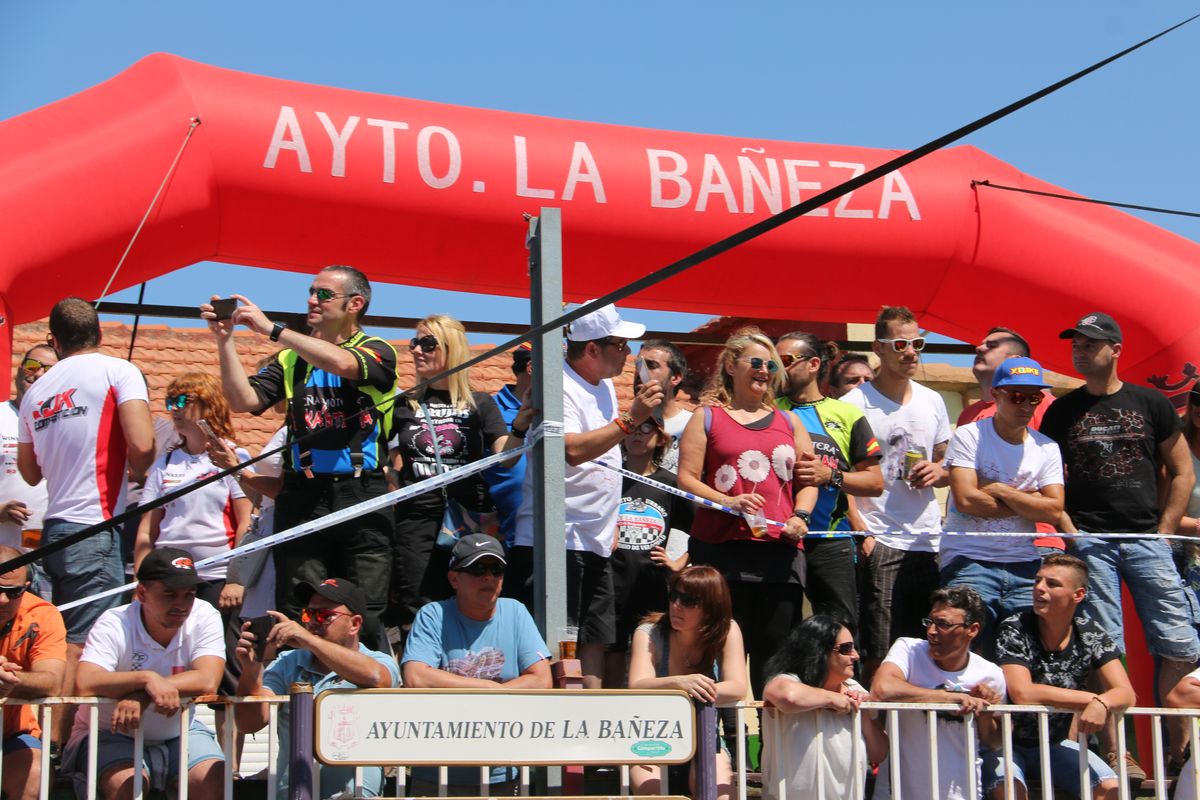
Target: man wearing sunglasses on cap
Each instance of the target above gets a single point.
(1004, 477)
(326, 652)
(594, 427)
(21, 505)
(338, 383)
(1129, 471)
(474, 640)
(912, 429)
(33, 657)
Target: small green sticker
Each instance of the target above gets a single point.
(650, 749)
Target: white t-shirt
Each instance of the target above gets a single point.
(674, 427)
(920, 425)
(70, 417)
(1185, 784)
(1029, 466)
(793, 753)
(119, 642)
(913, 659)
(593, 492)
(202, 521)
(13, 486)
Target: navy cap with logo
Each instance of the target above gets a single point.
(339, 590)
(1096, 325)
(170, 565)
(470, 549)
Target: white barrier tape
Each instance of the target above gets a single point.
(994, 534)
(551, 430)
(338, 517)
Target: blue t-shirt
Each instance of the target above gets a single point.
(504, 483)
(297, 665)
(498, 649)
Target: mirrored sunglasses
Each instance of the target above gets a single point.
(757, 363)
(321, 616)
(787, 359)
(1021, 398)
(900, 345)
(177, 402)
(33, 365)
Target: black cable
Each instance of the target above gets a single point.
(1113, 203)
(136, 319)
(656, 277)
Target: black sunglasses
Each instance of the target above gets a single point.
(844, 649)
(13, 592)
(479, 570)
(428, 343)
(683, 598)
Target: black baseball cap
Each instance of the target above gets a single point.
(522, 356)
(170, 565)
(1096, 325)
(470, 549)
(339, 590)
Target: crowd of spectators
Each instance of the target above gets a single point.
(826, 468)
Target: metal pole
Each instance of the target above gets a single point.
(705, 760)
(548, 459)
(300, 727)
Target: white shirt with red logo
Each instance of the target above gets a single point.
(13, 486)
(202, 521)
(70, 417)
(119, 642)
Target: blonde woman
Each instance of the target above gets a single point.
(442, 427)
(740, 451)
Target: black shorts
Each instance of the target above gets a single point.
(639, 588)
(590, 602)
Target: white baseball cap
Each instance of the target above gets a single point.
(603, 322)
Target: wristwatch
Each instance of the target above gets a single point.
(835, 478)
(277, 330)
(806, 516)
(515, 431)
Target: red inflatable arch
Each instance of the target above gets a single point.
(293, 176)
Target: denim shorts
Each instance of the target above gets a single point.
(1167, 609)
(1064, 767)
(81, 570)
(116, 750)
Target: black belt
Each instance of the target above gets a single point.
(325, 477)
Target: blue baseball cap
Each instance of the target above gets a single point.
(1019, 372)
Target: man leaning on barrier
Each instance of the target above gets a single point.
(474, 640)
(147, 656)
(326, 653)
(33, 656)
(940, 669)
(1049, 655)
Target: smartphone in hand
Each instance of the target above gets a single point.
(224, 307)
(261, 628)
(203, 425)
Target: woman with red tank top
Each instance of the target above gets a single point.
(740, 452)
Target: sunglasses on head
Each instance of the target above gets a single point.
(33, 365)
(1021, 398)
(787, 359)
(177, 402)
(844, 649)
(325, 295)
(13, 592)
(900, 345)
(757, 363)
(321, 616)
(428, 343)
(683, 598)
(479, 570)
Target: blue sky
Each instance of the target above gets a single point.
(881, 75)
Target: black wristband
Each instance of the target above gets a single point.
(277, 330)
(802, 514)
(520, 434)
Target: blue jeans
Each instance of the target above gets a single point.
(1005, 587)
(1168, 611)
(82, 570)
(1064, 767)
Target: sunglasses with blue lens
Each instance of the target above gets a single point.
(757, 363)
(177, 402)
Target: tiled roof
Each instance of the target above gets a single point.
(163, 353)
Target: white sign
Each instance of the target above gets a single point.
(495, 728)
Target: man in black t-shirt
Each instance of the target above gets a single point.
(1049, 655)
(338, 383)
(1115, 438)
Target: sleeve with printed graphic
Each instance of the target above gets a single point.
(964, 447)
(377, 362)
(51, 640)
(862, 441)
(531, 648)
(424, 643)
(1013, 645)
(129, 383)
(1100, 647)
(268, 385)
(106, 641)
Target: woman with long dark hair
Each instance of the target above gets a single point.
(812, 690)
(694, 647)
